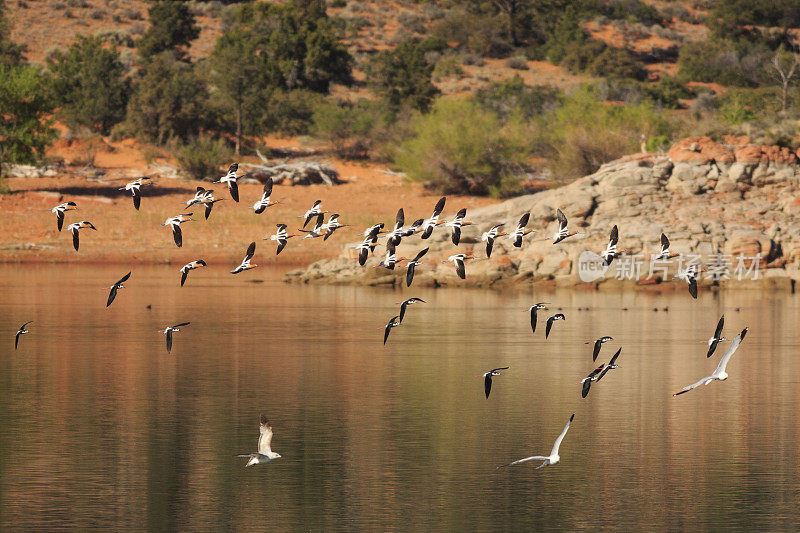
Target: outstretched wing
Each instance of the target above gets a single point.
(664, 242)
(731, 350)
(562, 219)
(561, 437)
(234, 189)
(169, 341)
(267, 188)
(534, 312)
(460, 270)
(123, 279)
(184, 273)
(60, 219)
(281, 246)
(531, 458)
(586, 386)
(75, 238)
(694, 385)
(596, 351)
(265, 440)
(456, 236)
(612, 241)
(111, 295)
(693, 287)
(439, 206)
(137, 199)
(251, 251)
(523, 221)
(409, 277)
(487, 383)
(549, 325)
(177, 235)
(720, 324)
(614, 359)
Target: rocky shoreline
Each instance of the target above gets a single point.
(731, 206)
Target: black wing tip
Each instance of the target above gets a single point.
(571, 417)
(263, 420)
(744, 332)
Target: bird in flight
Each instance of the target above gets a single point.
(21, 331)
(587, 381)
(135, 189)
(264, 454)
(332, 225)
(430, 224)
(562, 232)
(170, 330)
(280, 237)
(175, 224)
(597, 345)
(264, 202)
(190, 266)
(115, 287)
(198, 197)
(59, 211)
(251, 251)
(412, 265)
(319, 228)
(690, 276)
(208, 202)
(719, 373)
(406, 303)
(75, 229)
(664, 254)
(490, 236)
(487, 379)
(368, 244)
(393, 323)
(456, 224)
(610, 253)
(517, 235)
(397, 233)
(550, 321)
(611, 365)
(717, 338)
(458, 261)
(533, 311)
(551, 459)
(230, 180)
(311, 213)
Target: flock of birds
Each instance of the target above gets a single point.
(425, 227)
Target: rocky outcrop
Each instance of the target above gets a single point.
(732, 204)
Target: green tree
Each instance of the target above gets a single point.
(26, 128)
(172, 27)
(89, 84)
(10, 53)
(403, 76)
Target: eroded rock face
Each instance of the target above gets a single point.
(713, 200)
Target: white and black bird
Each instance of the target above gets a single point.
(520, 231)
(251, 251)
(318, 231)
(430, 224)
(170, 330)
(394, 236)
(190, 266)
(562, 232)
(533, 310)
(135, 189)
(719, 373)
(59, 211)
(393, 323)
(390, 260)
(412, 265)
(597, 345)
(197, 198)
(229, 179)
(551, 459)
(550, 321)
(587, 381)
(414, 227)
(689, 275)
(264, 202)
(490, 236)
(332, 225)
(487, 378)
(75, 229)
(315, 210)
(368, 244)
(456, 224)
(22, 331)
(281, 237)
(208, 202)
(406, 303)
(458, 262)
(717, 338)
(175, 225)
(664, 254)
(611, 365)
(264, 454)
(610, 253)
(115, 287)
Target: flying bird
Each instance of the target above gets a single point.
(456, 224)
(664, 253)
(587, 381)
(533, 311)
(135, 189)
(198, 197)
(23, 331)
(562, 232)
(553, 458)
(175, 224)
(318, 231)
(431, 223)
(558, 316)
(458, 261)
(332, 225)
(597, 345)
(490, 236)
(230, 180)
(264, 202)
(311, 213)
(412, 265)
(251, 251)
(717, 338)
(610, 253)
(280, 237)
(208, 202)
(393, 323)
(170, 330)
(487, 378)
(115, 287)
(611, 365)
(59, 211)
(719, 373)
(414, 227)
(397, 233)
(690, 276)
(406, 303)
(190, 266)
(368, 243)
(265, 453)
(520, 231)
(391, 258)
(75, 228)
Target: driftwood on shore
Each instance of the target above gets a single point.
(296, 173)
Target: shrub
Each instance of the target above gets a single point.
(617, 63)
(669, 92)
(481, 35)
(202, 156)
(346, 127)
(512, 98)
(723, 61)
(517, 63)
(448, 67)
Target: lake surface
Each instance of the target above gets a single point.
(102, 428)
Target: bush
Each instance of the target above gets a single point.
(403, 76)
(512, 98)
(517, 63)
(481, 35)
(202, 156)
(461, 147)
(669, 92)
(448, 67)
(346, 127)
(723, 61)
(617, 63)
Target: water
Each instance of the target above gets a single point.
(101, 428)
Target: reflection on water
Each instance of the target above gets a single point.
(100, 427)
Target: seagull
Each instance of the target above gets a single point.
(587, 381)
(533, 310)
(59, 211)
(487, 378)
(393, 323)
(559, 316)
(413, 264)
(456, 224)
(406, 303)
(75, 228)
(281, 237)
(517, 235)
(368, 244)
(134, 188)
(264, 202)
(597, 345)
(311, 213)
(208, 202)
(611, 365)
(230, 179)
(690, 276)
(175, 223)
(490, 236)
(115, 287)
(265, 453)
(610, 252)
(332, 225)
(719, 373)
(562, 232)
(717, 338)
(553, 458)
(431, 223)
(251, 250)
(23, 331)
(664, 253)
(397, 233)
(190, 266)
(458, 261)
(318, 231)
(168, 332)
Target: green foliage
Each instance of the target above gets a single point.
(780, 13)
(668, 92)
(25, 108)
(403, 75)
(617, 63)
(512, 98)
(89, 84)
(483, 35)
(723, 61)
(448, 67)
(10, 53)
(734, 110)
(289, 112)
(172, 27)
(347, 127)
(461, 147)
(202, 156)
